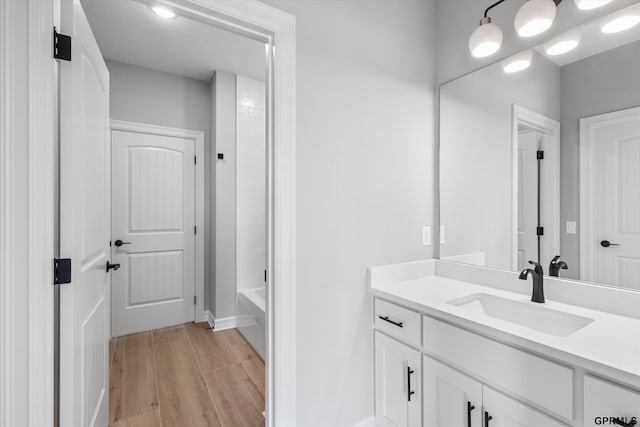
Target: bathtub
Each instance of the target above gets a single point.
(251, 309)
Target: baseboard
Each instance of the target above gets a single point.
(231, 322)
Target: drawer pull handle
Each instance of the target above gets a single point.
(409, 391)
(386, 319)
(487, 418)
(631, 423)
(470, 408)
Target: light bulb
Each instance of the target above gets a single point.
(563, 44)
(535, 17)
(591, 4)
(518, 62)
(486, 39)
(621, 23)
(163, 12)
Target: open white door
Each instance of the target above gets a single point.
(85, 206)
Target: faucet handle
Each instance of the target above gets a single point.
(537, 267)
(555, 259)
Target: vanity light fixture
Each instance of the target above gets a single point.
(518, 62)
(621, 23)
(591, 4)
(535, 17)
(487, 38)
(563, 44)
(163, 12)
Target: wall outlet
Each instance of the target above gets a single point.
(571, 227)
(426, 235)
(442, 234)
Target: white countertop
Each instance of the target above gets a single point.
(609, 346)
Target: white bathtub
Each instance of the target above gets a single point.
(251, 309)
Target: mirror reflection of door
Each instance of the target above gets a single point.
(528, 146)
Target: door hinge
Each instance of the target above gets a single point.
(539, 231)
(195, 229)
(195, 160)
(195, 298)
(61, 271)
(265, 275)
(61, 46)
(540, 155)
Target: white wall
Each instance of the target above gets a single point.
(596, 85)
(365, 189)
(250, 183)
(158, 98)
(223, 92)
(476, 159)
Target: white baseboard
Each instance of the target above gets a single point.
(231, 322)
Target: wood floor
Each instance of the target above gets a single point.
(185, 376)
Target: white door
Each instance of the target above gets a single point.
(85, 225)
(153, 235)
(397, 383)
(451, 399)
(528, 146)
(502, 411)
(613, 215)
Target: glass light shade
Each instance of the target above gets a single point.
(485, 40)
(163, 12)
(591, 4)
(535, 17)
(563, 44)
(621, 23)
(518, 62)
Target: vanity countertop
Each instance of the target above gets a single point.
(610, 345)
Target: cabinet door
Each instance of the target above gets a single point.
(451, 399)
(604, 402)
(506, 412)
(397, 381)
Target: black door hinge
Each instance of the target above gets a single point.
(61, 271)
(265, 275)
(61, 46)
(195, 229)
(194, 299)
(195, 160)
(540, 155)
(539, 231)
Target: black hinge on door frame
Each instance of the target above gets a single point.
(61, 271)
(540, 155)
(61, 46)
(195, 160)
(195, 298)
(265, 275)
(539, 231)
(195, 229)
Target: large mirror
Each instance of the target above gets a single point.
(540, 158)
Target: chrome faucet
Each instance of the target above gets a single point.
(538, 281)
(555, 266)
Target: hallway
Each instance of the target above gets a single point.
(185, 376)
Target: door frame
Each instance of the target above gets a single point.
(28, 155)
(551, 129)
(198, 140)
(589, 127)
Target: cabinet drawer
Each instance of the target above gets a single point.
(397, 321)
(604, 401)
(528, 377)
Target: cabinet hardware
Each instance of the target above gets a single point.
(619, 422)
(409, 391)
(470, 408)
(386, 319)
(487, 418)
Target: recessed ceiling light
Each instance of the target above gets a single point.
(535, 17)
(591, 4)
(163, 12)
(486, 39)
(621, 23)
(518, 62)
(563, 44)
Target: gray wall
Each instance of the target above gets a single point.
(599, 84)
(223, 96)
(153, 97)
(365, 189)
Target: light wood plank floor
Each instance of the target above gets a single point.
(185, 376)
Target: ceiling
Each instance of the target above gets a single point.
(593, 41)
(128, 31)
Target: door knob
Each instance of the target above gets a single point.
(120, 243)
(112, 266)
(606, 244)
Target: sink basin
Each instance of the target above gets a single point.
(527, 314)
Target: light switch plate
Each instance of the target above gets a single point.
(442, 234)
(426, 235)
(571, 227)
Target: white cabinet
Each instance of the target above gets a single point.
(397, 383)
(451, 399)
(502, 411)
(604, 402)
